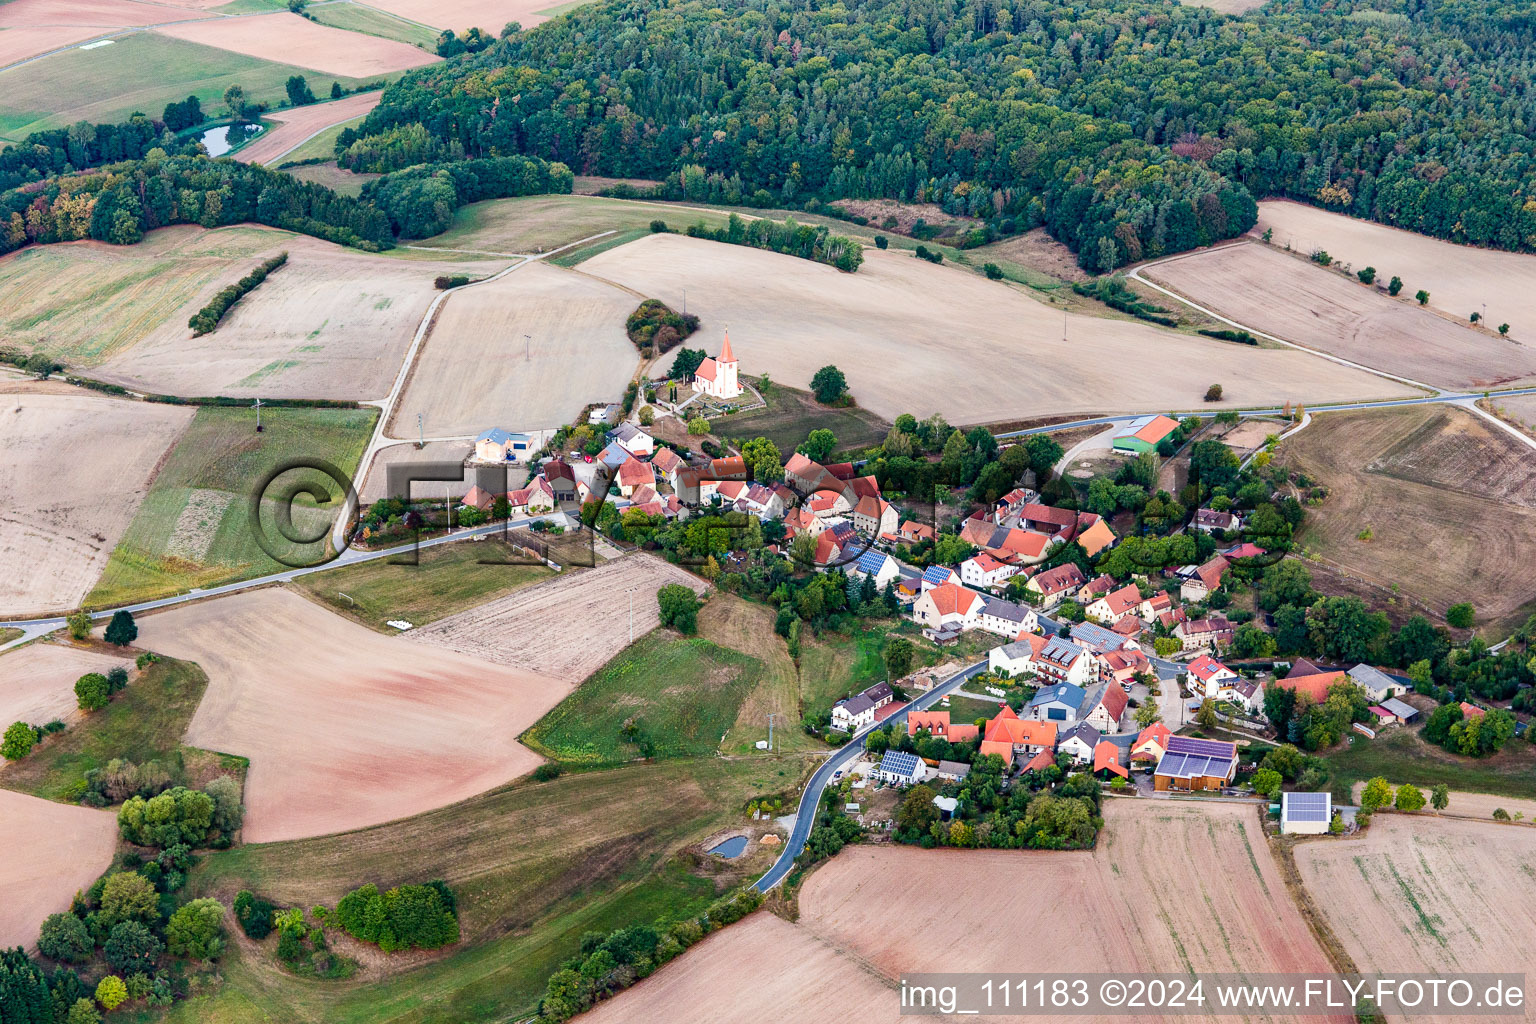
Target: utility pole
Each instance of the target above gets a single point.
(770, 732)
(685, 301)
(257, 407)
(631, 614)
(421, 433)
(527, 349)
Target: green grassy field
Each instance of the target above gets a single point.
(144, 722)
(7, 634)
(139, 72)
(541, 223)
(448, 579)
(194, 528)
(323, 145)
(791, 414)
(967, 709)
(535, 865)
(835, 665)
(1402, 756)
(373, 22)
(684, 695)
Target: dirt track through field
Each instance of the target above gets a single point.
(296, 124)
(1429, 896)
(1281, 295)
(289, 39)
(75, 470)
(37, 682)
(915, 338)
(1173, 886)
(345, 728)
(566, 628)
(54, 851)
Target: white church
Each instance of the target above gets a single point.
(717, 377)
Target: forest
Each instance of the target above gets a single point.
(1128, 128)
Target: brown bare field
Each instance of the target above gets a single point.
(1450, 500)
(32, 27)
(1278, 294)
(459, 15)
(37, 682)
(472, 373)
(1420, 894)
(566, 628)
(290, 39)
(375, 485)
(1459, 278)
(76, 468)
(296, 124)
(913, 337)
(1037, 250)
(1126, 917)
(331, 323)
(65, 849)
(345, 728)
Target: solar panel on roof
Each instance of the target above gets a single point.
(1219, 749)
(1306, 806)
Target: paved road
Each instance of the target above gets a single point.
(843, 756)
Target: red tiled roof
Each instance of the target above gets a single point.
(1060, 578)
(1107, 755)
(732, 468)
(1036, 513)
(1157, 733)
(1314, 686)
(885, 711)
(1114, 701)
(633, 473)
(962, 732)
(1471, 710)
(1123, 600)
(1042, 760)
(936, 722)
(953, 599)
(1159, 428)
(1205, 667)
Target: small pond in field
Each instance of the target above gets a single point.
(730, 848)
(226, 137)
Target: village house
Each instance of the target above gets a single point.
(1151, 743)
(1115, 605)
(717, 377)
(1206, 675)
(1095, 588)
(1016, 660)
(1208, 520)
(1007, 619)
(1079, 742)
(835, 542)
(1106, 761)
(985, 571)
(732, 467)
(1152, 607)
(1205, 578)
(1057, 702)
(479, 498)
(633, 475)
(1195, 634)
(1007, 735)
(1247, 692)
(1011, 502)
(530, 500)
(1093, 534)
(948, 604)
(1103, 707)
(1054, 584)
(936, 722)
(877, 565)
(562, 479)
(667, 464)
(1023, 547)
(856, 712)
(497, 445)
(910, 531)
(1063, 661)
(938, 576)
(873, 516)
(632, 439)
(1195, 764)
(952, 771)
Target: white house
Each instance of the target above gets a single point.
(1063, 661)
(857, 711)
(717, 377)
(633, 440)
(497, 445)
(877, 565)
(1377, 684)
(1054, 584)
(1018, 658)
(1115, 605)
(901, 769)
(1006, 618)
(985, 572)
(1079, 742)
(873, 516)
(1206, 675)
(948, 603)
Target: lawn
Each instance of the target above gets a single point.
(373, 22)
(7, 634)
(535, 865)
(682, 695)
(791, 414)
(449, 578)
(194, 528)
(968, 709)
(838, 665)
(144, 722)
(1403, 756)
(139, 72)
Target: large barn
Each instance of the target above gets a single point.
(1193, 764)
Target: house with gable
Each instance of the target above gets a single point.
(1115, 605)
(497, 445)
(873, 516)
(854, 713)
(1106, 761)
(1017, 659)
(1008, 736)
(877, 565)
(1206, 675)
(1057, 702)
(632, 439)
(1151, 743)
(1079, 742)
(1103, 706)
(1054, 584)
(1063, 661)
(1007, 619)
(1205, 578)
(985, 571)
(948, 604)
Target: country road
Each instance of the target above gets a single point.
(805, 815)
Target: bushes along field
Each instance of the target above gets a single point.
(206, 320)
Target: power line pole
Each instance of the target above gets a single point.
(770, 733)
(631, 614)
(257, 406)
(421, 433)
(527, 349)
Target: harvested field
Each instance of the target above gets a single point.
(331, 176)
(345, 728)
(1520, 410)
(459, 15)
(359, 17)
(902, 351)
(1240, 919)
(331, 323)
(472, 372)
(1427, 895)
(37, 682)
(567, 628)
(32, 27)
(1425, 479)
(534, 224)
(66, 849)
(76, 469)
(295, 125)
(1276, 293)
(288, 38)
(376, 485)
(1471, 805)
(1459, 278)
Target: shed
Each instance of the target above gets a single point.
(1305, 813)
(1401, 711)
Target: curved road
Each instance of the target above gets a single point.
(810, 800)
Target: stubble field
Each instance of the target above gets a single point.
(1450, 500)
(1281, 295)
(76, 468)
(64, 850)
(287, 38)
(1125, 918)
(37, 682)
(345, 728)
(1459, 278)
(915, 338)
(32, 27)
(566, 628)
(293, 126)
(1418, 895)
(477, 371)
(459, 15)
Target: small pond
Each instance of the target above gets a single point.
(226, 137)
(730, 848)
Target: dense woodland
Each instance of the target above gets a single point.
(1129, 128)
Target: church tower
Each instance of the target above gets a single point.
(727, 365)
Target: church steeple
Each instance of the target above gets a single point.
(726, 355)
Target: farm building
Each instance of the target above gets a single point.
(1198, 584)
(901, 769)
(1195, 764)
(497, 445)
(1143, 433)
(953, 771)
(1401, 712)
(1305, 813)
(1377, 684)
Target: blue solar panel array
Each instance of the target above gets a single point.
(871, 561)
(937, 574)
(899, 762)
(1306, 806)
